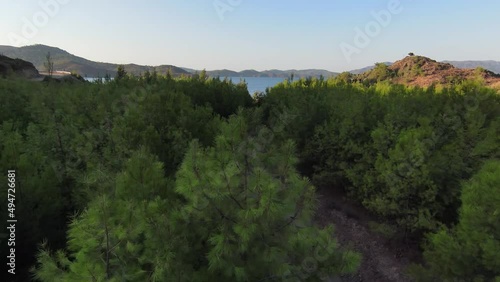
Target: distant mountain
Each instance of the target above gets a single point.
(222, 73)
(190, 70)
(64, 61)
(493, 66)
(301, 73)
(365, 69)
(268, 73)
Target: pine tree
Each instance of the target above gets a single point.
(117, 237)
(49, 64)
(252, 212)
(120, 73)
(471, 250)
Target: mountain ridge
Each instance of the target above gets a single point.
(65, 61)
(271, 73)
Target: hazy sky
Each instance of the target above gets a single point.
(335, 35)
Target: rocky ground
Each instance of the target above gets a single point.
(9, 66)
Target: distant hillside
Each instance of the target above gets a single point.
(365, 69)
(422, 71)
(493, 66)
(268, 73)
(222, 73)
(64, 61)
(301, 73)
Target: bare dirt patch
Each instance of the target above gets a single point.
(383, 259)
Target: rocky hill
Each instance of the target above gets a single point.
(490, 65)
(423, 71)
(17, 67)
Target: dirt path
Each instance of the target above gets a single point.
(381, 261)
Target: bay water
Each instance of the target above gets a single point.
(254, 84)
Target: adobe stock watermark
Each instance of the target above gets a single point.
(224, 6)
(363, 36)
(32, 25)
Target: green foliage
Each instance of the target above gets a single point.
(77, 76)
(70, 143)
(252, 218)
(381, 72)
(116, 237)
(39, 194)
(417, 71)
(49, 64)
(406, 190)
(120, 73)
(167, 184)
(400, 151)
(345, 77)
(253, 211)
(479, 70)
(471, 250)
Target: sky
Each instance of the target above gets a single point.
(336, 35)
